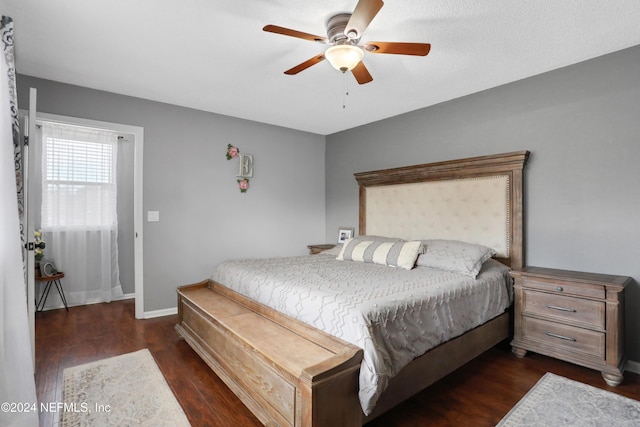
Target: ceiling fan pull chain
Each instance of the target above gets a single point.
(345, 93)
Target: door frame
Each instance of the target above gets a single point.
(138, 224)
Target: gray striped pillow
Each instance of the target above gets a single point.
(392, 254)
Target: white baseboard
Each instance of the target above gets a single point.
(151, 314)
(160, 313)
(633, 367)
(61, 305)
(147, 314)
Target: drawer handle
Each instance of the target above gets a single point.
(555, 307)
(559, 289)
(562, 337)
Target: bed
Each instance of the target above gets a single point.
(287, 337)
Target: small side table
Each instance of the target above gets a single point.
(316, 249)
(50, 280)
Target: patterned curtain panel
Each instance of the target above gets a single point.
(17, 383)
(6, 37)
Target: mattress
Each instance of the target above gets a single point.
(394, 315)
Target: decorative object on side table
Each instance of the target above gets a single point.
(344, 233)
(39, 245)
(316, 249)
(574, 316)
(38, 251)
(48, 268)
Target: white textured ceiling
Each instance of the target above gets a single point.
(212, 55)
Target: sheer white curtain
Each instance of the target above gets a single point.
(78, 216)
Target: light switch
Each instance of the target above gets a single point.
(153, 216)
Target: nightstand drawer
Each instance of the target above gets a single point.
(580, 312)
(591, 291)
(564, 337)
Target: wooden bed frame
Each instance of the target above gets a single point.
(291, 374)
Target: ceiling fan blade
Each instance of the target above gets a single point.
(361, 73)
(306, 64)
(294, 33)
(398, 48)
(362, 16)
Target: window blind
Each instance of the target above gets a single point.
(79, 177)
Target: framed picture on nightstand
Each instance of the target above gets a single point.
(344, 234)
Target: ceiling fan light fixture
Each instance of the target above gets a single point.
(344, 57)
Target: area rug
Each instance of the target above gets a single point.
(126, 390)
(558, 401)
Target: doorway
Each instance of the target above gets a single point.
(130, 236)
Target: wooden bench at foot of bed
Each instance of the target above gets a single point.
(291, 374)
(287, 373)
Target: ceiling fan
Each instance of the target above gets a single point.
(343, 35)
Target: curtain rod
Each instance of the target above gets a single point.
(39, 126)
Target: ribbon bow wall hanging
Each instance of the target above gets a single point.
(245, 166)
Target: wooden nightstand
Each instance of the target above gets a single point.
(573, 316)
(316, 249)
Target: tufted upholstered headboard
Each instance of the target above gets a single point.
(478, 200)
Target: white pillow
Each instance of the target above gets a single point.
(391, 253)
(454, 256)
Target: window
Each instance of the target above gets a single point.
(78, 178)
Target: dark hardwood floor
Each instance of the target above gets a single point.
(479, 394)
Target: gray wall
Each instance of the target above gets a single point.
(582, 126)
(204, 219)
(126, 240)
